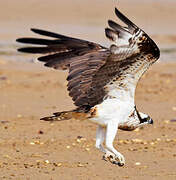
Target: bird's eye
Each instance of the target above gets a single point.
(146, 119)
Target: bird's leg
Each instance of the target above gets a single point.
(100, 135)
(112, 154)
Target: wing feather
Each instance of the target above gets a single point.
(60, 51)
(122, 17)
(47, 33)
(37, 41)
(93, 69)
(111, 34)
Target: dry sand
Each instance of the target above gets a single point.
(18, 16)
(31, 149)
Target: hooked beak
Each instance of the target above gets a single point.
(150, 121)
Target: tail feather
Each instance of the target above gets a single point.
(66, 115)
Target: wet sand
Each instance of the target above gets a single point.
(34, 150)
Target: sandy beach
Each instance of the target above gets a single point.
(31, 149)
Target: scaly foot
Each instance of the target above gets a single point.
(117, 159)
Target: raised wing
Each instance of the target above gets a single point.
(58, 52)
(95, 71)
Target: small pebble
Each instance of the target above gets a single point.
(166, 121)
(68, 147)
(79, 137)
(137, 163)
(47, 161)
(6, 156)
(87, 149)
(80, 165)
(78, 140)
(40, 132)
(136, 140)
(58, 164)
(32, 143)
(152, 143)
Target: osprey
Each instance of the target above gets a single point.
(101, 81)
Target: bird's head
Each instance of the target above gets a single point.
(135, 120)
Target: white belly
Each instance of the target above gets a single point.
(113, 110)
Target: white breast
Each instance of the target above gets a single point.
(114, 109)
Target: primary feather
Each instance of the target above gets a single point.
(93, 69)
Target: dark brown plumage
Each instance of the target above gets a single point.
(94, 69)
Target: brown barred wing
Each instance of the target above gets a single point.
(81, 75)
(59, 51)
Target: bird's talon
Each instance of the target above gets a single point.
(104, 158)
(120, 164)
(113, 159)
(116, 162)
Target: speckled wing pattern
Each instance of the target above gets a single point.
(93, 69)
